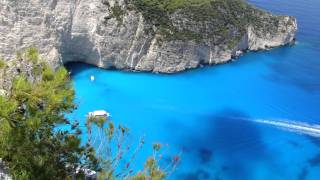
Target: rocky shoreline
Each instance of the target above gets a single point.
(71, 30)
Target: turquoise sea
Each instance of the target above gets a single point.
(255, 118)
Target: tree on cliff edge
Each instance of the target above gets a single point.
(32, 144)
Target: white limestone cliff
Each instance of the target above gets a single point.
(76, 30)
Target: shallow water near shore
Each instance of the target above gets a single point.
(255, 118)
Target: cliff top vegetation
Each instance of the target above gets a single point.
(215, 21)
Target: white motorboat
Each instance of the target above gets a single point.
(99, 114)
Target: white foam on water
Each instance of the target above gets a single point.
(299, 127)
(289, 125)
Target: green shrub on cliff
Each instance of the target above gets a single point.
(116, 11)
(38, 142)
(229, 18)
(2, 63)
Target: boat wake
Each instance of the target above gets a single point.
(290, 125)
(294, 126)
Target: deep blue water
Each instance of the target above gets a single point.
(212, 114)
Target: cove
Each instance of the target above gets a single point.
(254, 118)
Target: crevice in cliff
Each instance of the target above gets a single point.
(76, 46)
(53, 4)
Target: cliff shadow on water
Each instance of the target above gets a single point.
(75, 68)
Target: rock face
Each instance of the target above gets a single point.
(88, 31)
(4, 175)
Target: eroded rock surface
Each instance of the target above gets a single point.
(77, 30)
